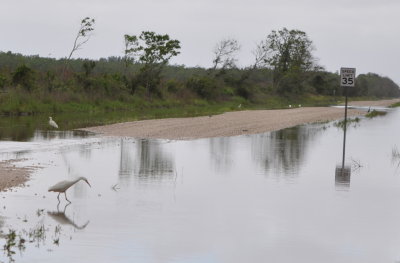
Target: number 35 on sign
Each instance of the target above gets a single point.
(347, 77)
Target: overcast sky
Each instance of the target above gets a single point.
(364, 34)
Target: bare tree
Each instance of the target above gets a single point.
(261, 53)
(224, 53)
(83, 36)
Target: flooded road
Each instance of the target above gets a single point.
(270, 197)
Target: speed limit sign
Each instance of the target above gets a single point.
(347, 77)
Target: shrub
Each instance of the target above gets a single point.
(25, 77)
(204, 86)
(3, 81)
(375, 113)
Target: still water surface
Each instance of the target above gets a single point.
(269, 197)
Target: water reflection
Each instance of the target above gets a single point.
(28, 128)
(27, 234)
(1, 225)
(23, 128)
(42, 135)
(342, 177)
(17, 128)
(126, 160)
(61, 218)
(283, 151)
(152, 161)
(395, 156)
(220, 153)
(204, 215)
(145, 160)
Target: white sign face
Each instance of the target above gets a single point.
(347, 77)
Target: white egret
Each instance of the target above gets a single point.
(52, 123)
(63, 186)
(290, 105)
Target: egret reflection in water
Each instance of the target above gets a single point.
(61, 218)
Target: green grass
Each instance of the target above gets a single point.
(340, 124)
(375, 113)
(79, 111)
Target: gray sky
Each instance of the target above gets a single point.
(364, 34)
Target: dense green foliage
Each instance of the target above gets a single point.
(33, 84)
(374, 85)
(289, 54)
(152, 51)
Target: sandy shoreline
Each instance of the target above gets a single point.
(12, 175)
(230, 123)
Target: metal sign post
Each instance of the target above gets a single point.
(347, 79)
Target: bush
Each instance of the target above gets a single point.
(173, 86)
(204, 86)
(25, 77)
(375, 113)
(3, 82)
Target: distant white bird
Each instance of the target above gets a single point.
(290, 106)
(299, 105)
(240, 105)
(63, 186)
(52, 123)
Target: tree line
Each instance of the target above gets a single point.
(283, 65)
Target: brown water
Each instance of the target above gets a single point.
(270, 197)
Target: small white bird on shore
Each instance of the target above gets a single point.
(52, 123)
(63, 186)
(290, 105)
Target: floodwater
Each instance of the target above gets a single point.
(26, 128)
(270, 197)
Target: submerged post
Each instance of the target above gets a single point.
(347, 79)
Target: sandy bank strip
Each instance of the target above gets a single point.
(230, 123)
(12, 175)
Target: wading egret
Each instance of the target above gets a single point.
(52, 123)
(63, 186)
